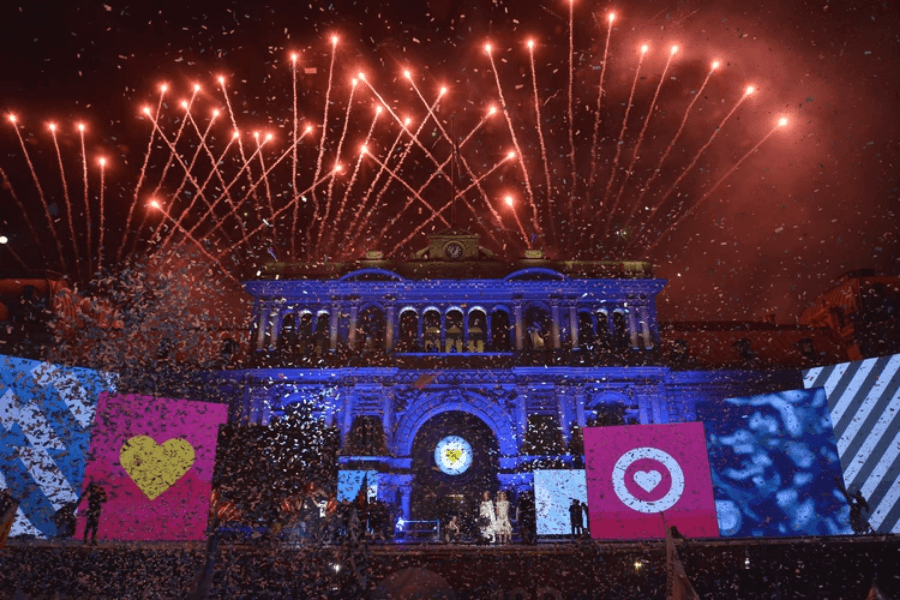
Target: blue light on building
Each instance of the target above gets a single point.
(514, 357)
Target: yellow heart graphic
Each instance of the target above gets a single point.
(454, 455)
(156, 468)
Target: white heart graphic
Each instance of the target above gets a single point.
(648, 480)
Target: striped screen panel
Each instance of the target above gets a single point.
(864, 402)
(46, 415)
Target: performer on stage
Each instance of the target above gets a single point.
(502, 528)
(487, 518)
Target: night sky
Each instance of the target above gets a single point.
(819, 198)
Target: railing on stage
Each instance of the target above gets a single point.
(417, 531)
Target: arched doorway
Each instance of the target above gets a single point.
(442, 490)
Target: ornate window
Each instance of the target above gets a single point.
(500, 331)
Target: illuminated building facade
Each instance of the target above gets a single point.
(453, 373)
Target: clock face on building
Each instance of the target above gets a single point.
(453, 455)
(453, 250)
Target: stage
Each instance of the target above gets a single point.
(266, 567)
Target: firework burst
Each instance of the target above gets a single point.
(378, 166)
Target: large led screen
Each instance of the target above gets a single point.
(154, 458)
(46, 412)
(774, 463)
(864, 406)
(350, 482)
(644, 478)
(554, 491)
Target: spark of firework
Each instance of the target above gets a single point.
(598, 112)
(137, 188)
(658, 205)
(37, 184)
(188, 160)
(540, 131)
(615, 164)
(439, 213)
(65, 186)
(343, 203)
(340, 146)
(780, 124)
(322, 140)
(102, 162)
(637, 146)
(512, 206)
(512, 132)
(295, 213)
(571, 112)
(662, 159)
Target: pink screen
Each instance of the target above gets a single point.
(642, 478)
(154, 458)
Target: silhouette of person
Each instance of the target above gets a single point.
(859, 509)
(575, 518)
(526, 515)
(8, 507)
(452, 531)
(96, 496)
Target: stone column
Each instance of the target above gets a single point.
(354, 315)
(580, 399)
(564, 413)
(405, 493)
(645, 328)
(419, 324)
(521, 419)
(646, 411)
(387, 418)
(520, 339)
(334, 324)
(263, 323)
(632, 326)
(573, 324)
(346, 414)
(276, 329)
(554, 325)
(389, 327)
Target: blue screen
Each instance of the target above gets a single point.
(554, 491)
(774, 465)
(349, 483)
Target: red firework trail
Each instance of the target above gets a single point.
(665, 155)
(619, 143)
(512, 132)
(696, 158)
(216, 191)
(137, 188)
(540, 131)
(782, 122)
(343, 203)
(637, 146)
(598, 113)
(65, 186)
(40, 190)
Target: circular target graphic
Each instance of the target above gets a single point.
(648, 480)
